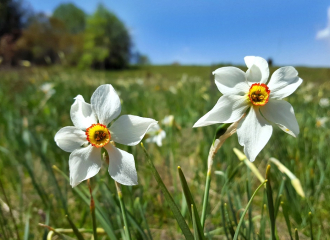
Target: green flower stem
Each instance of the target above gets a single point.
(223, 132)
(92, 209)
(174, 208)
(123, 210)
(246, 209)
(206, 196)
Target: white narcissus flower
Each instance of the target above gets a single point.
(247, 93)
(91, 129)
(320, 121)
(324, 102)
(156, 135)
(168, 120)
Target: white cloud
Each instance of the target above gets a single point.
(325, 33)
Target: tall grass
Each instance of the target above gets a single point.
(36, 192)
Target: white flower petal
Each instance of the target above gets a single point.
(228, 109)
(281, 113)
(231, 80)
(284, 82)
(121, 166)
(70, 138)
(81, 113)
(159, 141)
(253, 133)
(106, 103)
(84, 163)
(258, 70)
(129, 129)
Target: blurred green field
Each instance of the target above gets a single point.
(34, 193)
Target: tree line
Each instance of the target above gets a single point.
(68, 36)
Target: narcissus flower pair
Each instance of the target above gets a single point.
(91, 132)
(247, 93)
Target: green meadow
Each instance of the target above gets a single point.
(34, 171)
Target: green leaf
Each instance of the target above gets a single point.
(296, 234)
(246, 209)
(174, 208)
(74, 228)
(196, 233)
(270, 204)
(190, 202)
(311, 224)
(286, 217)
(27, 224)
(102, 219)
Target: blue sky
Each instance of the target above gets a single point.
(222, 31)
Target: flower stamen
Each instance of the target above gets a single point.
(98, 135)
(259, 94)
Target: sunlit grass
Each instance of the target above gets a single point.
(35, 193)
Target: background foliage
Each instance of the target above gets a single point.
(36, 193)
(69, 37)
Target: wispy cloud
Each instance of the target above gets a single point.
(325, 33)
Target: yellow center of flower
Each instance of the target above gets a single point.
(98, 135)
(259, 94)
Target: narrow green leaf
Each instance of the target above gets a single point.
(174, 208)
(143, 217)
(74, 228)
(47, 223)
(27, 224)
(311, 224)
(130, 217)
(251, 225)
(196, 233)
(286, 217)
(230, 225)
(246, 209)
(123, 210)
(223, 218)
(279, 197)
(190, 202)
(319, 233)
(296, 234)
(92, 209)
(102, 219)
(270, 203)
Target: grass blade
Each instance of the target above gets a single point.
(174, 208)
(196, 232)
(123, 210)
(279, 197)
(311, 224)
(27, 224)
(223, 218)
(102, 219)
(92, 209)
(230, 225)
(246, 209)
(143, 217)
(270, 204)
(10, 210)
(190, 202)
(74, 228)
(296, 234)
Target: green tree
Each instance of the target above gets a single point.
(73, 17)
(47, 40)
(107, 42)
